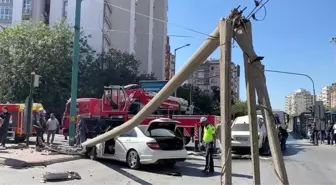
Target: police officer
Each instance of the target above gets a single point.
(208, 139)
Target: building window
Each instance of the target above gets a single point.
(65, 8)
(5, 13)
(5, 1)
(27, 6)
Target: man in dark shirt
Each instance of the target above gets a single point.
(4, 128)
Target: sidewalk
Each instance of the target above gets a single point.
(20, 156)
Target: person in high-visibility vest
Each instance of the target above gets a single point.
(208, 139)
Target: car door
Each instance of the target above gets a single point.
(124, 143)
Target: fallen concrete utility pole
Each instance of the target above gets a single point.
(191, 65)
(243, 36)
(239, 28)
(226, 33)
(252, 112)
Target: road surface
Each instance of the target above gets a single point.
(306, 164)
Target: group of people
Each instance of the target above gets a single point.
(42, 125)
(50, 127)
(328, 134)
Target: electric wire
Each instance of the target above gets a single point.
(253, 13)
(257, 3)
(136, 33)
(159, 20)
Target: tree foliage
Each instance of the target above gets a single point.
(47, 51)
(201, 99)
(239, 108)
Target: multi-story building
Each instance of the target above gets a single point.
(328, 96)
(167, 60)
(140, 32)
(13, 12)
(172, 65)
(206, 77)
(333, 96)
(325, 96)
(133, 26)
(298, 102)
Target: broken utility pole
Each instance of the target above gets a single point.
(243, 36)
(225, 32)
(238, 28)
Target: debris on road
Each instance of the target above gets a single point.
(65, 149)
(61, 176)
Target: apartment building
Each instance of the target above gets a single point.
(298, 102)
(13, 12)
(138, 31)
(333, 95)
(170, 62)
(128, 25)
(328, 95)
(206, 77)
(167, 59)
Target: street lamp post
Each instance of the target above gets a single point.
(298, 74)
(311, 79)
(175, 58)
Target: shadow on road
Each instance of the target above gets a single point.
(118, 167)
(13, 163)
(181, 169)
(294, 149)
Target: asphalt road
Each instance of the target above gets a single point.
(306, 164)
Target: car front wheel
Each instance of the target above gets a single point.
(133, 160)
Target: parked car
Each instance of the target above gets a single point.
(155, 143)
(241, 134)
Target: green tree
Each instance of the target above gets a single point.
(330, 109)
(110, 68)
(46, 50)
(239, 108)
(201, 99)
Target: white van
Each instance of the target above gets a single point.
(241, 134)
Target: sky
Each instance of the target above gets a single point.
(294, 37)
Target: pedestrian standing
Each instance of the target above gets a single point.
(5, 116)
(208, 139)
(52, 125)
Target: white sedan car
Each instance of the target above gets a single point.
(152, 144)
(241, 134)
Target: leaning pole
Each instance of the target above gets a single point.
(204, 51)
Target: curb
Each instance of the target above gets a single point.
(25, 164)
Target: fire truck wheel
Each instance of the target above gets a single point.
(19, 139)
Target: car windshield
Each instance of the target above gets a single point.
(240, 127)
(158, 132)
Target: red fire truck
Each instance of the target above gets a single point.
(16, 129)
(121, 103)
